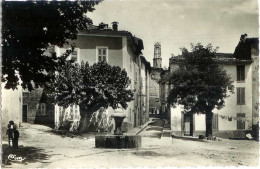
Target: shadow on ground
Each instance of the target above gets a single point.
(31, 154)
(72, 134)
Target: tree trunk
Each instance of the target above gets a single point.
(83, 124)
(209, 116)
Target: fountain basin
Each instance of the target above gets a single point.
(118, 141)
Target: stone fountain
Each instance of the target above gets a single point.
(118, 139)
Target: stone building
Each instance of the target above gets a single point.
(241, 108)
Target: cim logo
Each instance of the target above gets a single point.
(13, 157)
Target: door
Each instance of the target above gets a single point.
(25, 113)
(188, 125)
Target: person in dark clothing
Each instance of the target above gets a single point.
(9, 132)
(13, 125)
(15, 139)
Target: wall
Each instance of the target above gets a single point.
(87, 48)
(130, 66)
(255, 85)
(11, 106)
(176, 121)
(231, 108)
(148, 76)
(144, 93)
(199, 124)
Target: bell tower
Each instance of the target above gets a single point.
(157, 60)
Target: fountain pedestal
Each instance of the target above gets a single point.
(118, 117)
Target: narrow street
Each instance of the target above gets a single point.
(44, 149)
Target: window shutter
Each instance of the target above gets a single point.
(242, 73)
(238, 95)
(242, 92)
(238, 73)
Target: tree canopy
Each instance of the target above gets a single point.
(198, 82)
(29, 28)
(91, 87)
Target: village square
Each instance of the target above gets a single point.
(86, 86)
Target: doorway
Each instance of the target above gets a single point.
(188, 125)
(25, 108)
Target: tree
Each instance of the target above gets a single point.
(199, 83)
(91, 87)
(29, 28)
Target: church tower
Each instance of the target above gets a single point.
(157, 60)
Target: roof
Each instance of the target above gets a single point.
(241, 55)
(147, 64)
(244, 48)
(221, 58)
(157, 68)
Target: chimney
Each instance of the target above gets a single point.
(115, 26)
(103, 25)
(243, 38)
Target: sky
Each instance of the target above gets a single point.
(178, 23)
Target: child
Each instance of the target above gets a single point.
(9, 132)
(15, 140)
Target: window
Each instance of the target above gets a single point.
(215, 122)
(41, 109)
(240, 95)
(102, 54)
(240, 72)
(241, 122)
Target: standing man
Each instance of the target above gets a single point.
(9, 132)
(15, 139)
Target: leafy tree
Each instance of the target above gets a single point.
(91, 87)
(29, 28)
(199, 83)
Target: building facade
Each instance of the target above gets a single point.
(117, 48)
(241, 108)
